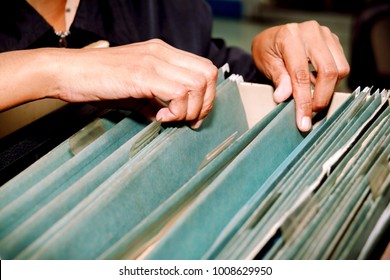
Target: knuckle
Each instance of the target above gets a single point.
(335, 38)
(282, 38)
(180, 93)
(344, 70)
(329, 72)
(191, 116)
(312, 23)
(156, 41)
(211, 72)
(198, 84)
(326, 30)
(304, 105)
(286, 36)
(154, 45)
(302, 77)
(320, 105)
(208, 108)
(288, 29)
(309, 26)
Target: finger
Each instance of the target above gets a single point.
(207, 104)
(325, 66)
(200, 77)
(295, 58)
(176, 110)
(201, 65)
(194, 83)
(169, 91)
(269, 60)
(209, 96)
(207, 77)
(337, 52)
(283, 87)
(275, 69)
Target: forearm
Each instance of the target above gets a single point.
(27, 75)
(151, 69)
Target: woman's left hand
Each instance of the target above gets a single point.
(284, 54)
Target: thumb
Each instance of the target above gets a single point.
(284, 90)
(283, 86)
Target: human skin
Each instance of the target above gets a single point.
(150, 69)
(185, 82)
(283, 54)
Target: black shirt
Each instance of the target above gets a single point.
(183, 24)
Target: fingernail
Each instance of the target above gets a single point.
(277, 94)
(305, 124)
(197, 124)
(159, 118)
(282, 92)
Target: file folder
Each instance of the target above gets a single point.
(247, 185)
(140, 185)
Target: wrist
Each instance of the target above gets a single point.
(50, 74)
(24, 76)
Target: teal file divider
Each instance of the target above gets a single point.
(359, 119)
(47, 189)
(372, 206)
(268, 192)
(326, 145)
(97, 191)
(54, 210)
(376, 236)
(245, 244)
(263, 195)
(214, 207)
(222, 192)
(133, 244)
(142, 186)
(46, 165)
(356, 244)
(343, 196)
(349, 198)
(78, 195)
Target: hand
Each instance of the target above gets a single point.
(151, 69)
(284, 54)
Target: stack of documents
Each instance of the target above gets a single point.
(246, 185)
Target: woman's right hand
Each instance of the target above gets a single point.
(151, 69)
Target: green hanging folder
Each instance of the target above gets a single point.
(49, 187)
(49, 214)
(268, 192)
(251, 242)
(246, 185)
(50, 162)
(141, 185)
(229, 191)
(143, 235)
